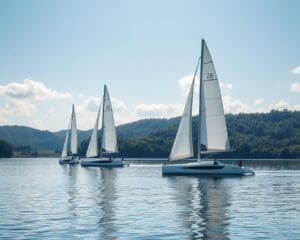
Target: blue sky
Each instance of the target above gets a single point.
(145, 51)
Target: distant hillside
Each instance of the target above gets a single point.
(254, 135)
(36, 139)
(46, 140)
(144, 127)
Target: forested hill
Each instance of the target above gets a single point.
(255, 135)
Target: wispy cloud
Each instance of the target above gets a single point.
(259, 101)
(235, 105)
(226, 87)
(295, 70)
(185, 84)
(158, 110)
(281, 104)
(295, 87)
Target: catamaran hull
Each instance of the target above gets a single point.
(102, 163)
(206, 170)
(70, 161)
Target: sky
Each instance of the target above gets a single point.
(59, 52)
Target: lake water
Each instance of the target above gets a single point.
(39, 199)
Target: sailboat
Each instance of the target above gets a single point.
(73, 158)
(108, 138)
(212, 129)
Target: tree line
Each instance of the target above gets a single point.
(255, 135)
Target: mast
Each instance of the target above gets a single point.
(102, 132)
(200, 96)
(212, 123)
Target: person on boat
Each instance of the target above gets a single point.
(215, 162)
(240, 163)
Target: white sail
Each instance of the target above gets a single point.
(92, 150)
(183, 144)
(109, 138)
(74, 142)
(213, 125)
(64, 152)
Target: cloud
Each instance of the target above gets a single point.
(49, 114)
(258, 101)
(91, 104)
(22, 100)
(185, 84)
(20, 108)
(87, 112)
(3, 120)
(295, 70)
(158, 110)
(226, 88)
(118, 105)
(232, 105)
(280, 105)
(283, 104)
(32, 90)
(41, 122)
(295, 87)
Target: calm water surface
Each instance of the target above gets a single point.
(39, 199)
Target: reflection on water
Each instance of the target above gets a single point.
(39, 199)
(72, 189)
(106, 197)
(205, 201)
(101, 198)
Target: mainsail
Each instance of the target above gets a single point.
(92, 150)
(109, 139)
(213, 130)
(73, 132)
(183, 144)
(65, 148)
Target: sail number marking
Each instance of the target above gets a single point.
(209, 76)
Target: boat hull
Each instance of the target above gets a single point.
(206, 169)
(102, 163)
(69, 160)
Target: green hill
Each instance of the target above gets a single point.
(255, 135)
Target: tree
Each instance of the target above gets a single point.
(5, 149)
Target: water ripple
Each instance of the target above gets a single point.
(43, 200)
